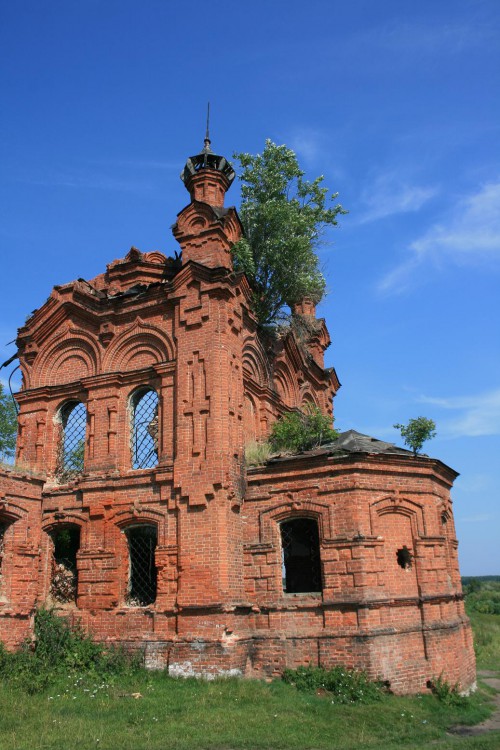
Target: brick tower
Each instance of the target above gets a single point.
(136, 514)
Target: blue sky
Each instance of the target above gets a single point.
(396, 103)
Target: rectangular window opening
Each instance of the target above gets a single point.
(301, 562)
(64, 573)
(142, 542)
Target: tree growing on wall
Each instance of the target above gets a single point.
(8, 426)
(302, 430)
(283, 216)
(417, 432)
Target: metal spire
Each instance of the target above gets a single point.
(207, 141)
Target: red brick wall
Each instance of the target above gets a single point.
(188, 333)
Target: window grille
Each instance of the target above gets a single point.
(74, 425)
(301, 563)
(64, 573)
(145, 429)
(142, 572)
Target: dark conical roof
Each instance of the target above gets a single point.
(206, 159)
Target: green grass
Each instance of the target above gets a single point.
(486, 630)
(223, 714)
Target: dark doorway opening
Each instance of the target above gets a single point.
(301, 563)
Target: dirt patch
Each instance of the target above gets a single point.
(493, 723)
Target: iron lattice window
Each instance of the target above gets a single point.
(301, 563)
(142, 573)
(64, 574)
(145, 429)
(72, 451)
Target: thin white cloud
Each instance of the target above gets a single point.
(480, 518)
(475, 483)
(470, 235)
(308, 144)
(389, 195)
(93, 181)
(423, 41)
(477, 415)
(448, 38)
(140, 163)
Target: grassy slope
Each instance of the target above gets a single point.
(227, 714)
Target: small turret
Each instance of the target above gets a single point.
(208, 176)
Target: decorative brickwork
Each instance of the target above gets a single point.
(138, 516)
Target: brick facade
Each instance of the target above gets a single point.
(184, 552)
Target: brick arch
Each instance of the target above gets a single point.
(250, 418)
(141, 345)
(405, 507)
(25, 376)
(11, 512)
(67, 359)
(154, 257)
(287, 510)
(445, 515)
(254, 364)
(307, 397)
(130, 516)
(285, 384)
(70, 519)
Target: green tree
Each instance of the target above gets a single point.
(302, 430)
(284, 216)
(73, 460)
(8, 425)
(417, 432)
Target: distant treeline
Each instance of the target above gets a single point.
(467, 579)
(482, 594)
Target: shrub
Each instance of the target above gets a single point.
(59, 648)
(301, 431)
(344, 685)
(446, 693)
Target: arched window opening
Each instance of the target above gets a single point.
(73, 416)
(142, 541)
(144, 429)
(64, 572)
(301, 562)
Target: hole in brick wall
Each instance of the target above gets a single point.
(144, 429)
(301, 563)
(444, 518)
(73, 417)
(142, 542)
(64, 573)
(404, 557)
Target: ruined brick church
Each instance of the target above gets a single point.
(136, 515)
